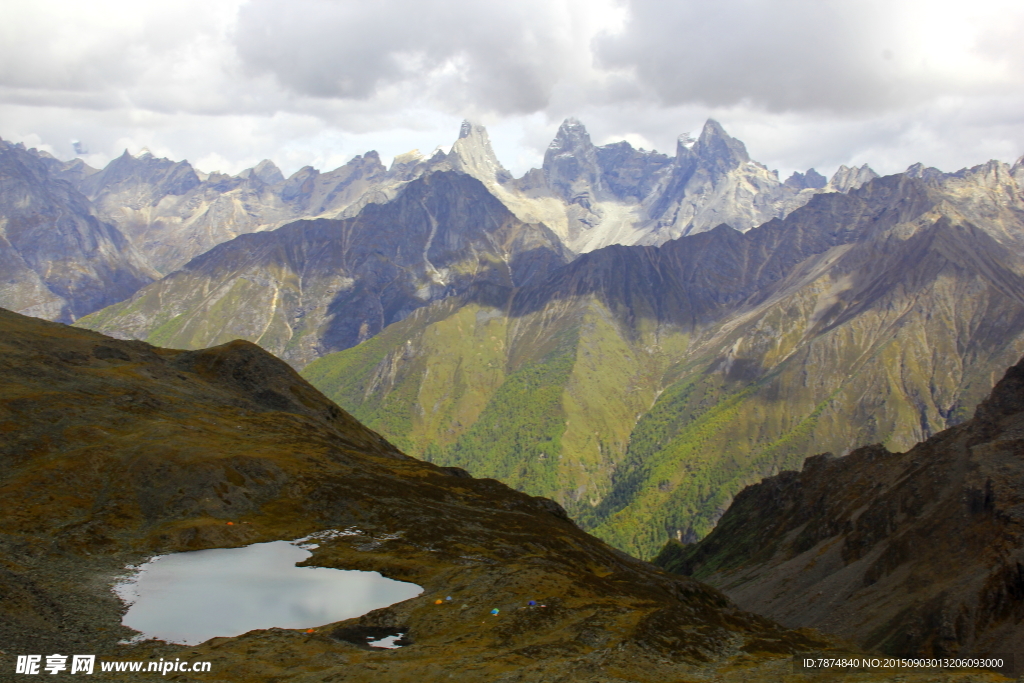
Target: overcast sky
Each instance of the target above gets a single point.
(226, 83)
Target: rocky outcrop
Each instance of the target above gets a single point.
(846, 179)
(266, 171)
(615, 194)
(812, 180)
(571, 167)
(472, 154)
(58, 259)
(918, 552)
(714, 181)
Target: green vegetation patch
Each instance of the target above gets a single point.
(517, 438)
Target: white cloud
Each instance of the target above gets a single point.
(229, 82)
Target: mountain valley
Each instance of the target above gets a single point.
(918, 551)
(642, 387)
(115, 451)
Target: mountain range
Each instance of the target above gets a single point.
(58, 258)
(642, 347)
(589, 196)
(635, 335)
(642, 387)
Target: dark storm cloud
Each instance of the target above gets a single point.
(502, 57)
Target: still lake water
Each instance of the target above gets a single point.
(191, 597)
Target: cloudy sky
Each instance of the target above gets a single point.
(226, 83)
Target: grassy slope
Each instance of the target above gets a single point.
(644, 434)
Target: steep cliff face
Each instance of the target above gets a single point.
(58, 259)
(114, 451)
(715, 182)
(913, 552)
(846, 179)
(642, 387)
(615, 194)
(317, 286)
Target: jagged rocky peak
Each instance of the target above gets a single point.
(571, 165)
(299, 183)
(846, 179)
(572, 138)
(366, 165)
(684, 146)
(73, 171)
(373, 157)
(718, 150)
(472, 153)
(164, 176)
(1017, 171)
(803, 181)
(923, 172)
(403, 164)
(266, 171)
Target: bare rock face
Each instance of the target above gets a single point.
(139, 182)
(58, 259)
(266, 171)
(714, 181)
(472, 154)
(589, 196)
(629, 174)
(846, 179)
(571, 166)
(915, 552)
(805, 181)
(615, 194)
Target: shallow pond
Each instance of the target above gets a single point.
(191, 597)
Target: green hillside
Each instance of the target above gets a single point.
(643, 429)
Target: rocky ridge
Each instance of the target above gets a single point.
(588, 196)
(615, 194)
(313, 287)
(58, 258)
(173, 215)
